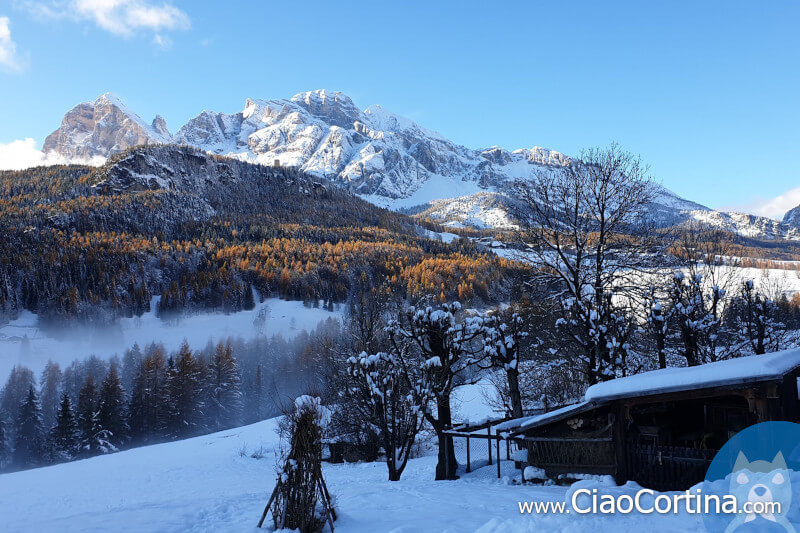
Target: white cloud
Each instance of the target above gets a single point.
(772, 207)
(120, 17)
(162, 41)
(21, 154)
(9, 58)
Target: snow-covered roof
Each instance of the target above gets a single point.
(765, 367)
(723, 373)
(521, 424)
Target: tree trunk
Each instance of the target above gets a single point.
(394, 475)
(446, 465)
(591, 364)
(513, 392)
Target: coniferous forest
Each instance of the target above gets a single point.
(148, 395)
(94, 244)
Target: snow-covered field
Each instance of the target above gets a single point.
(205, 484)
(23, 342)
(774, 279)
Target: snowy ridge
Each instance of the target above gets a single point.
(383, 157)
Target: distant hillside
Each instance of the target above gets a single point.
(385, 158)
(203, 231)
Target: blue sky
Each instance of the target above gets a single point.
(706, 92)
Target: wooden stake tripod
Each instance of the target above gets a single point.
(325, 497)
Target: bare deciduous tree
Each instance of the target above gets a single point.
(588, 231)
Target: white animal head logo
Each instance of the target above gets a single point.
(767, 487)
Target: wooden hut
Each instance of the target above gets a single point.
(661, 428)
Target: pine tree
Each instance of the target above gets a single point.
(185, 387)
(249, 300)
(28, 446)
(147, 411)
(111, 408)
(92, 437)
(15, 390)
(50, 392)
(131, 363)
(224, 395)
(64, 435)
(5, 451)
(255, 398)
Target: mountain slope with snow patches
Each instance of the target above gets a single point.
(387, 159)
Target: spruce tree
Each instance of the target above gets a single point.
(50, 392)
(255, 398)
(185, 387)
(249, 300)
(111, 408)
(64, 435)
(147, 409)
(131, 363)
(28, 446)
(87, 414)
(5, 449)
(224, 398)
(14, 392)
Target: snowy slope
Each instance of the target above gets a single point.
(204, 484)
(387, 159)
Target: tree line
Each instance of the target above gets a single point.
(76, 247)
(148, 396)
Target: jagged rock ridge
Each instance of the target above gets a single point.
(385, 158)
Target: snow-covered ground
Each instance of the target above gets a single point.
(774, 279)
(470, 405)
(206, 484)
(23, 342)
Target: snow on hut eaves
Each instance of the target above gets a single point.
(766, 367)
(753, 368)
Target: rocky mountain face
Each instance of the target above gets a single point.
(792, 217)
(372, 152)
(103, 127)
(386, 159)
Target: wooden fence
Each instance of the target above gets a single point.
(667, 467)
(578, 455)
(494, 444)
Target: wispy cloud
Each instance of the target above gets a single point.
(23, 153)
(9, 57)
(772, 207)
(124, 18)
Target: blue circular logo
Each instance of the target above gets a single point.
(753, 483)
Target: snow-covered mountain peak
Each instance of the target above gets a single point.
(334, 107)
(383, 120)
(386, 158)
(159, 125)
(103, 127)
(112, 99)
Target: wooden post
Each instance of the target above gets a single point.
(620, 441)
(789, 398)
(326, 502)
(469, 466)
(489, 443)
(266, 509)
(498, 455)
